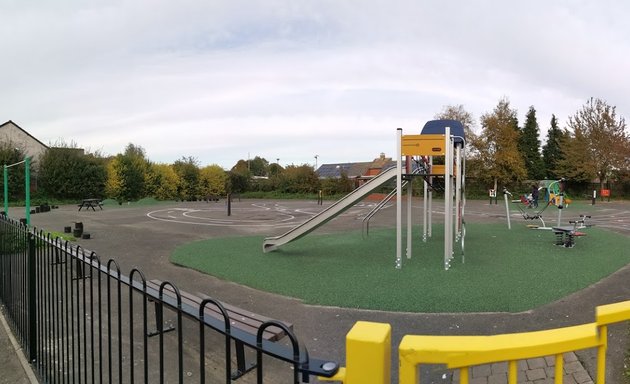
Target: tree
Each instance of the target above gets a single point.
(457, 112)
(498, 149)
(299, 179)
(239, 177)
(241, 167)
(551, 151)
(605, 134)
(576, 162)
(65, 171)
(212, 180)
(187, 168)
(258, 166)
(275, 169)
(11, 154)
(126, 174)
(333, 186)
(238, 182)
(529, 146)
(162, 182)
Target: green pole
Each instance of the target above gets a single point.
(6, 191)
(27, 181)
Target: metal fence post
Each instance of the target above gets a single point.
(32, 300)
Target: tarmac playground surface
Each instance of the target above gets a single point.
(145, 237)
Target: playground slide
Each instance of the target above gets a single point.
(345, 203)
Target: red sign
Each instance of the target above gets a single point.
(605, 193)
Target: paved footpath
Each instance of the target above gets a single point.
(12, 360)
(531, 371)
(127, 234)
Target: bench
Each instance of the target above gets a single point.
(241, 319)
(91, 203)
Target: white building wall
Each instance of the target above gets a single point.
(9, 132)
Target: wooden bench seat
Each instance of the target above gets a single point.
(239, 318)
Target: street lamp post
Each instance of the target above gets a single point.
(316, 157)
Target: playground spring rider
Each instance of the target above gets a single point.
(523, 203)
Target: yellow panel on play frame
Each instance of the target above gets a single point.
(423, 145)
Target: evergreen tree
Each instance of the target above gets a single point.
(551, 152)
(529, 146)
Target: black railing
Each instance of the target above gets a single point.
(83, 321)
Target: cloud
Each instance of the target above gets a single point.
(291, 79)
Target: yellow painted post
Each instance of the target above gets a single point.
(407, 361)
(368, 355)
(463, 375)
(559, 372)
(607, 314)
(601, 354)
(512, 372)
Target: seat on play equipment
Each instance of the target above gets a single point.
(565, 236)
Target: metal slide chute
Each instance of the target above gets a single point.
(342, 205)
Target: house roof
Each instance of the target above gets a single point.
(25, 132)
(335, 170)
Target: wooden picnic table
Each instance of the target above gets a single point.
(91, 203)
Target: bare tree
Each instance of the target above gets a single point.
(457, 112)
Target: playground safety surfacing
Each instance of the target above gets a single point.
(504, 270)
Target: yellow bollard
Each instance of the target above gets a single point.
(368, 355)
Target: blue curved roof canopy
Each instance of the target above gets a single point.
(437, 127)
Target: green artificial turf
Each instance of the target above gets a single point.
(505, 270)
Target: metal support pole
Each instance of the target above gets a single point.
(507, 208)
(6, 190)
(458, 192)
(27, 189)
(430, 224)
(448, 199)
(409, 222)
(399, 198)
(229, 204)
(425, 206)
(32, 300)
(560, 207)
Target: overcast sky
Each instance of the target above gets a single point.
(221, 80)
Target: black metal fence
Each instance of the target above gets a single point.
(81, 320)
